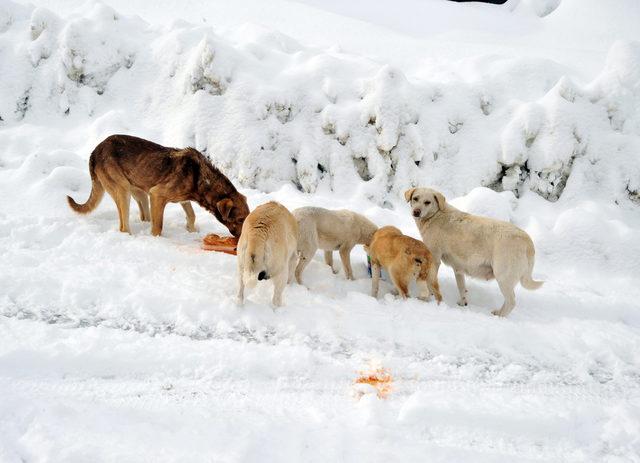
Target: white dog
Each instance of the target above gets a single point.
(267, 249)
(476, 246)
(330, 231)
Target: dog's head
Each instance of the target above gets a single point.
(233, 210)
(424, 202)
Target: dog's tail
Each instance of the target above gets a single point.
(527, 280)
(97, 191)
(254, 261)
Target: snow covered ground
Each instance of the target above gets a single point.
(121, 347)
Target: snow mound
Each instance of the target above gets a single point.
(269, 111)
(488, 203)
(541, 8)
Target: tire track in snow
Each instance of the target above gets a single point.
(490, 367)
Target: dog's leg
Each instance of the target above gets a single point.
(345, 257)
(240, 295)
(157, 211)
(423, 287)
(506, 287)
(302, 263)
(462, 288)
(400, 283)
(191, 216)
(375, 278)
(292, 268)
(123, 198)
(306, 254)
(279, 283)
(142, 199)
(112, 192)
(328, 259)
(432, 281)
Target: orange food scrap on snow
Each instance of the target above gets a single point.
(213, 242)
(380, 379)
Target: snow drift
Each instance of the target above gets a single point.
(269, 111)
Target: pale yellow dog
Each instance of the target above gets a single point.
(267, 249)
(479, 247)
(330, 231)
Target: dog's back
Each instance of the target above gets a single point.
(268, 239)
(334, 227)
(145, 164)
(390, 245)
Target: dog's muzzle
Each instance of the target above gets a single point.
(262, 276)
(416, 212)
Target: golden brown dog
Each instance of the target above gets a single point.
(405, 259)
(267, 249)
(128, 166)
(476, 246)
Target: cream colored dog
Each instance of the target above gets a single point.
(330, 231)
(406, 259)
(476, 246)
(267, 249)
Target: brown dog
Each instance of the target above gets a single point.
(405, 259)
(128, 166)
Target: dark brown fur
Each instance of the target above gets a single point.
(128, 166)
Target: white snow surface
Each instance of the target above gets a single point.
(119, 347)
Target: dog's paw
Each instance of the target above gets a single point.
(497, 313)
(463, 302)
(192, 228)
(425, 298)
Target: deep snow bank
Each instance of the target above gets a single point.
(269, 111)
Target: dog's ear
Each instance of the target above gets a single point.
(224, 207)
(409, 193)
(441, 201)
